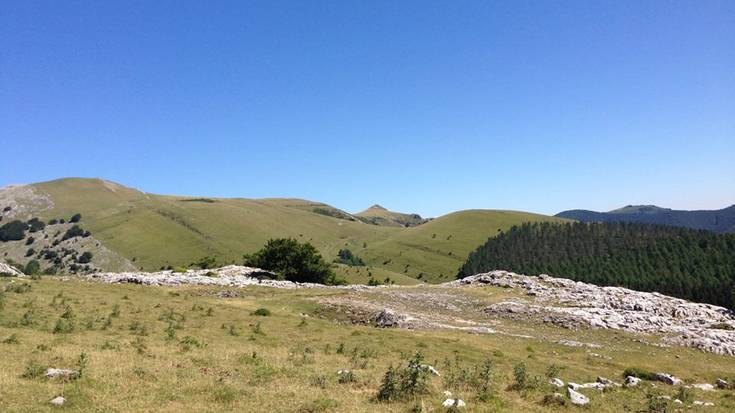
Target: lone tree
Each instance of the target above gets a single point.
(292, 261)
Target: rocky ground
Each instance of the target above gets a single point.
(544, 299)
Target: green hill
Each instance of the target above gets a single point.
(153, 231)
(377, 215)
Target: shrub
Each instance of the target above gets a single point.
(75, 218)
(345, 256)
(640, 373)
(30, 240)
(12, 339)
(263, 312)
(520, 376)
(73, 232)
(30, 252)
(53, 221)
(205, 263)
(411, 380)
(179, 269)
(293, 261)
(32, 268)
(85, 258)
(13, 231)
(373, 282)
(35, 225)
(33, 370)
(64, 326)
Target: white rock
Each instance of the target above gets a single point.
(632, 381)
(556, 382)
(701, 403)
(447, 393)
(430, 369)
(721, 384)
(63, 373)
(668, 379)
(704, 387)
(7, 269)
(58, 401)
(453, 402)
(677, 401)
(577, 398)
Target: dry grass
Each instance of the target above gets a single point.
(226, 359)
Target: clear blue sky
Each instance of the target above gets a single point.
(420, 106)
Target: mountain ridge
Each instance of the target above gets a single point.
(718, 221)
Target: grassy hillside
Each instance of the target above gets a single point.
(156, 230)
(434, 251)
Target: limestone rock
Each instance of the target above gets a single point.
(58, 401)
(631, 381)
(454, 402)
(668, 379)
(53, 373)
(7, 269)
(704, 387)
(721, 384)
(388, 318)
(577, 398)
(556, 382)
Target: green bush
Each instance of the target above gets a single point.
(13, 231)
(408, 381)
(640, 373)
(205, 263)
(85, 258)
(74, 231)
(32, 268)
(75, 218)
(35, 225)
(292, 261)
(345, 256)
(263, 312)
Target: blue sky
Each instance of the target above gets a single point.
(425, 107)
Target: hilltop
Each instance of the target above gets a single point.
(379, 215)
(151, 232)
(719, 221)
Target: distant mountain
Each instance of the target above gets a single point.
(377, 215)
(719, 221)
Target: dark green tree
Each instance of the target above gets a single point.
(292, 261)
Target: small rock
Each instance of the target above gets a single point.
(668, 379)
(453, 402)
(430, 369)
(704, 387)
(58, 401)
(721, 384)
(577, 398)
(677, 401)
(701, 403)
(607, 382)
(556, 382)
(62, 373)
(632, 381)
(447, 393)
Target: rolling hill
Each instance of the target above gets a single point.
(719, 221)
(154, 231)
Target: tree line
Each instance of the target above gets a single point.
(693, 264)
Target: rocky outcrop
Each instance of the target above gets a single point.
(10, 270)
(575, 305)
(229, 276)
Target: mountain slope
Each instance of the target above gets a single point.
(378, 215)
(719, 221)
(152, 231)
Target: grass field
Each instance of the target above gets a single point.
(152, 349)
(157, 230)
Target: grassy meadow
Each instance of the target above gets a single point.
(154, 349)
